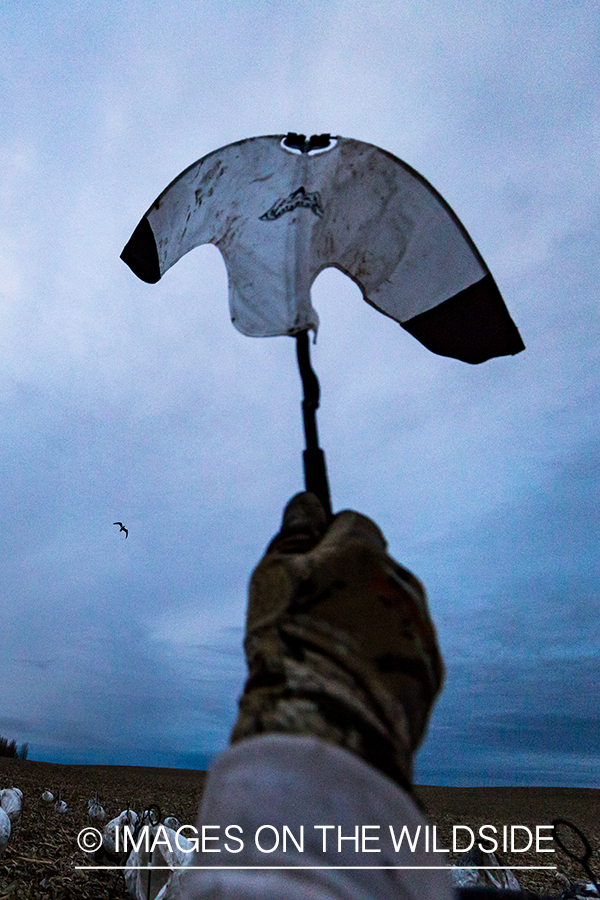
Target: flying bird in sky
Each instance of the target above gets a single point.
(122, 528)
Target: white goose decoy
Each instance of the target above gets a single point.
(170, 852)
(11, 801)
(4, 830)
(47, 797)
(60, 806)
(95, 811)
(128, 818)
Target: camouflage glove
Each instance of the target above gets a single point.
(339, 641)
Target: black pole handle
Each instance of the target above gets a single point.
(315, 469)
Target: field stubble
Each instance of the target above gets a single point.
(42, 854)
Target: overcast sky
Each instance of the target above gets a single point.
(138, 403)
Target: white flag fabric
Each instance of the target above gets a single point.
(280, 217)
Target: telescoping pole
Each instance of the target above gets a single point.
(315, 470)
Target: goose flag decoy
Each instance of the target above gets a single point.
(283, 208)
(122, 528)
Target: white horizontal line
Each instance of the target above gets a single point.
(175, 868)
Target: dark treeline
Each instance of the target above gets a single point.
(9, 748)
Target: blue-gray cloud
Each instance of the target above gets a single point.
(121, 401)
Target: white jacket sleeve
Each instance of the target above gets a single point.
(296, 818)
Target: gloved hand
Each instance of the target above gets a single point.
(339, 641)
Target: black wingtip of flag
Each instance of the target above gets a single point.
(472, 326)
(141, 255)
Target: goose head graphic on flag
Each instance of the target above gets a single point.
(282, 209)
